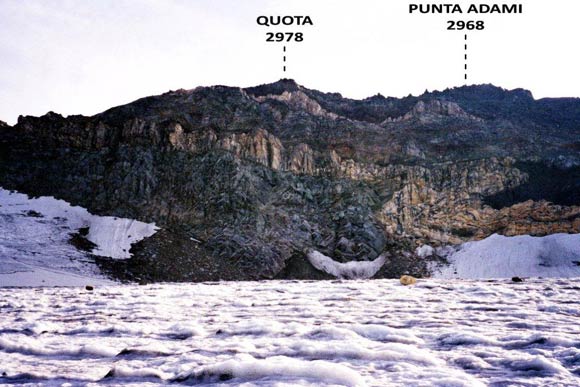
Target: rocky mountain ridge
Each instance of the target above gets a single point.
(244, 182)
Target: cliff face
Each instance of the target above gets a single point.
(245, 181)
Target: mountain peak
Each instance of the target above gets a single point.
(275, 88)
(377, 97)
(487, 91)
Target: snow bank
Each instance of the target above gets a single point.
(248, 368)
(183, 331)
(350, 270)
(538, 364)
(120, 371)
(351, 349)
(113, 236)
(386, 334)
(33, 275)
(30, 346)
(455, 339)
(498, 256)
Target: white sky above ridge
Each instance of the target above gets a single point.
(81, 57)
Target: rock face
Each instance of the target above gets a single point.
(244, 182)
(446, 206)
(432, 110)
(299, 100)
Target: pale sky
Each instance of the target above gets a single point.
(82, 57)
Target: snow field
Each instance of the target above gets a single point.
(288, 333)
(35, 248)
(498, 256)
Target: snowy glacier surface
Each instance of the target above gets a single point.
(289, 333)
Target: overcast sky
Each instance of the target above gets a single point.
(82, 57)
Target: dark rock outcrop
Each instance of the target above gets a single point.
(245, 181)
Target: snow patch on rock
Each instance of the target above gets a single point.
(35, 241)
(349, 270)
(498, 256)
(113, 236)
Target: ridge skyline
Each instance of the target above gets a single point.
(436, 93)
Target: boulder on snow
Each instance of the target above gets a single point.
(408, 280)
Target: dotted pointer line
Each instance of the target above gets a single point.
(465, 57)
